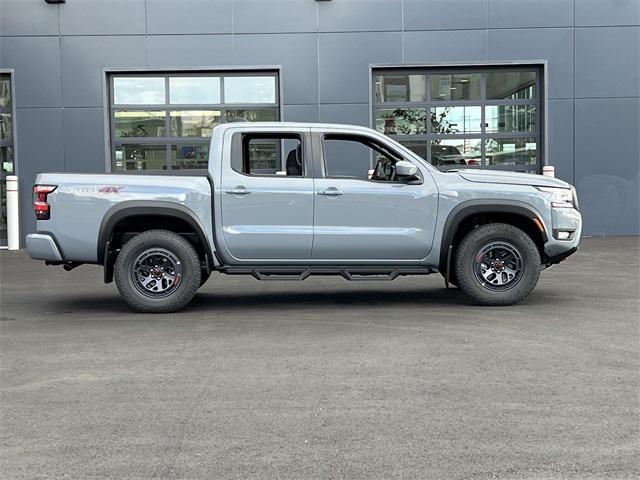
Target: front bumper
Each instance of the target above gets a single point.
(42, 246)
(563, 220)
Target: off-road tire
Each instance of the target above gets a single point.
(470, 247)
(174, 243)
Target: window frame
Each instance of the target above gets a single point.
(113, 142)
(539, 135)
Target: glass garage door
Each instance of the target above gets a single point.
(164, 121)
(6, 150)
(486, 117)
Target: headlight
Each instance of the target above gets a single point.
(561, 197)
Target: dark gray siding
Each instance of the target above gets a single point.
(592, 50)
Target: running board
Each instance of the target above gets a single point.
(353, 274)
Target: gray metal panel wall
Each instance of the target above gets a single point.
(591, 47)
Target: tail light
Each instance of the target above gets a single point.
(40, 205)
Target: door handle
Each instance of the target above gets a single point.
(239, 190)
(330, 192)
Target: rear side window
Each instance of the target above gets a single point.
(277, 154)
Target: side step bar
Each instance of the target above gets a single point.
(364, 273)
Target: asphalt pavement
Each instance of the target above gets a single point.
(323, 379)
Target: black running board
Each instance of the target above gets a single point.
(355, 273)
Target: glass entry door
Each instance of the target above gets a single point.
(6, 150)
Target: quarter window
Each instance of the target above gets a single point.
(165, 121)
(487, 117)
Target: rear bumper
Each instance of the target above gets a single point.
(42, 246)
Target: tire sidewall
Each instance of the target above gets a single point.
(477, 239)
(179, 247)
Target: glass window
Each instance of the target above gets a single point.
(5, 92)
(189, 156)
(448, 152)
(446, 155)
(449, 120)
(7, 164)
(511, 85)
(272, 154)
(251, 115)
(358, 157)
(6, 160)
(459, 86)
(416, 146)
(140, 124)
(252, 89)
(510, 118)
(138, 90)
(152, 132)
(401, 121)
(400, 88)
(194, 90)
(345, 158)
(6, 126)
(511, 151)
(468, 108)
(141, 157)
(194, 123)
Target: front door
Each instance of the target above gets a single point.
(267, 196)
(370, 214)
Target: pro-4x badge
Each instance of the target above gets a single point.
(110, 189)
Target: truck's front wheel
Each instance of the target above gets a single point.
(497, 264)
(157, 271)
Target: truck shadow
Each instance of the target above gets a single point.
(355, 298)
(241, 302)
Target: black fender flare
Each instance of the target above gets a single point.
(474, 207)
(137, 208)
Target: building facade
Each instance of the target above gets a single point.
(137, 85)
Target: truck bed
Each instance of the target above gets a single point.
(81, 203)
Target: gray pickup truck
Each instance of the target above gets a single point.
(289, 200)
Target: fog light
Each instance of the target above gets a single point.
(563, 234)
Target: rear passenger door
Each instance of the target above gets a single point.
(267, 196)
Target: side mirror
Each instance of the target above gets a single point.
(407, 171)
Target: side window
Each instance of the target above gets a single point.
(358, 157)
(268, 154)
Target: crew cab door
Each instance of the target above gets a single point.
(370, 216)
(267, 195)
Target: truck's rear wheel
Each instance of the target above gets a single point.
(157, 271)
(497, 264)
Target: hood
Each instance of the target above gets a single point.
(506, 177)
